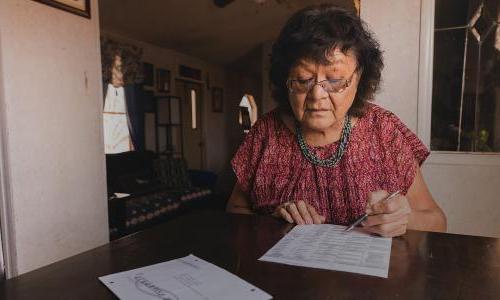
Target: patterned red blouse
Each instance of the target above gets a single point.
(271, 169)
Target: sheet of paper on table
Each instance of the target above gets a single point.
(121, 195)
(326, 246)
(189, 277)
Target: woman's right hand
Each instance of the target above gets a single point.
(298, 212)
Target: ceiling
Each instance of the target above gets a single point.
(200, 28)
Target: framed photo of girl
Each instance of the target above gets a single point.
(217, 100)
(78, 7)
(163, 80)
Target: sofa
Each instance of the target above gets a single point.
(144, 190)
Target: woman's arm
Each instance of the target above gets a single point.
(426, 214)
(238, 202)
(293, 212)
(417, 210)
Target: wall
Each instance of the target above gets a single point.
(468, 193)
(238, 84)
(397, 28)
(3, 167)
(54, 154)
(268, 102)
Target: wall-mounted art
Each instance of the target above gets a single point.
(163, 81)
(217, 100)
(78, 7)
(148, 74)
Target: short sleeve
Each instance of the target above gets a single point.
(247, 157)
(402, 150)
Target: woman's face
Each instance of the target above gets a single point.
(319, 109)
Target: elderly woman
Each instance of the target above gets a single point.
(327, 154)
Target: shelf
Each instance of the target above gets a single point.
(168, 122)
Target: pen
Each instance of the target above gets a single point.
(363, 217)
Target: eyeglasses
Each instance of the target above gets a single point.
(299, 86)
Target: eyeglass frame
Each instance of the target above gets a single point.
(346, 85)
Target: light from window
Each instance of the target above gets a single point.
(193, 109)
(115, 122)
(466, 76)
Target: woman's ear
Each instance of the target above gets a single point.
(359, 72)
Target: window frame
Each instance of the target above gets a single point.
(424, 114)
(194, 108)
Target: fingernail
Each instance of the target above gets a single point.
(363, 224)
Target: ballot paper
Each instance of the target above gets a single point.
(189, 277)
(327, 246)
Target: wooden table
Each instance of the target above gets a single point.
(423, 265)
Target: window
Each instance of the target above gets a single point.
(193, 109)
(115, 122)
(466, 76)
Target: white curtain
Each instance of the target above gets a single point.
(116, 131)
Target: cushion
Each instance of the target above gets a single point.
(130, 172)
(129, 162)
(132, 183)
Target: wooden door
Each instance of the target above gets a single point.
(192, 128)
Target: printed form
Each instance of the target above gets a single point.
(326, 246)
(189, 277)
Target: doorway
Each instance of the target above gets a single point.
(4, 213)
(192, 126)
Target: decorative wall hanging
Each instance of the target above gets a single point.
(217, 100)
(163, 81)
(147, 74)
(190, 73)
(77, 7)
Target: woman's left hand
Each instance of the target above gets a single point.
(388, 218)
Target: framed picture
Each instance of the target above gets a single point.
(217, 100)
(148, 76)
(163, 80)
(77, 7)
(148, 101)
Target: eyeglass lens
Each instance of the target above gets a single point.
(329, 86)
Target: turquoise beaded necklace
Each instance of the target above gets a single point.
(333, 160)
